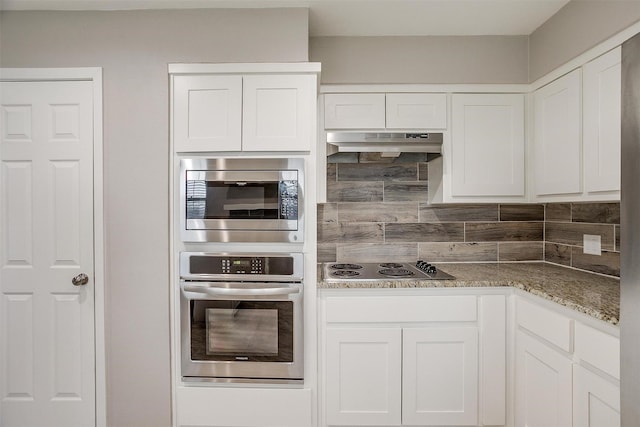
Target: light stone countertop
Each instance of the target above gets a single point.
(595, 295)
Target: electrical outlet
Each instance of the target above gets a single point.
(592, 244)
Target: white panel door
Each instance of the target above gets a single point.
(47, 360)
(602, 114)
(596, 401)
(543, 385)
(354, 111)
(487, 147)
(416, 111)
(363, 376)
(440, 376)
(207, 113)
(557, 140)
(279, 113)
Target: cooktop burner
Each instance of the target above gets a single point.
(422, 270)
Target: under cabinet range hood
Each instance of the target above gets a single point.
(343, 147)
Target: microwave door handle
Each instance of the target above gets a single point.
(240, 292)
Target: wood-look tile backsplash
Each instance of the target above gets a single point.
(379, 212)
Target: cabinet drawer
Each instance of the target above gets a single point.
(598, 349)
(402, 309)
(547, 324)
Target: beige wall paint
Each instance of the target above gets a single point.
(483, 59)
(134, 48)
(576, 28)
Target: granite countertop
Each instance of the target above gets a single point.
(595, 295)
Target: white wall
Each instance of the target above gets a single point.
(576, 28)
(431, 59)
(134, 48)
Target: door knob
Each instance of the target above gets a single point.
(80, 280)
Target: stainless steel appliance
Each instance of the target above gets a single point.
(630, 243)
(241, 317)
(422, 270)
(241, 200)
(353, 147)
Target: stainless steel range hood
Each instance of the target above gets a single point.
(398, 147)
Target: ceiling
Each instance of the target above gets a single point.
(359, 17)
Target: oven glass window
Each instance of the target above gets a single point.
(242, 330)
(232, 200)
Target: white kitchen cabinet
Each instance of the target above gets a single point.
(354, 111)
(596, 401)
(488, 145)
(268, 112)
(380, 111)
(440, 376)
(363, 376)
(601, 129)
(394, 359)
(543, 384)
(207, 113)
(416, 111)
(557, 153)
(279, 112)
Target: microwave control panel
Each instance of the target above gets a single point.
(289, 200)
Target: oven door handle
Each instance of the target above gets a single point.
(240, 292)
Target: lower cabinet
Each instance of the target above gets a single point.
(543, 385)
(596, 401)
(567, 371)
(402, 376)
(413, 361)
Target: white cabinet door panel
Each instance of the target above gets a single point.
(543, 385)
(416, 111)
(596, 402)
(354, 111)
(207, 113)
(363, 376)
(557, 140)
(602, 115)
(487, 145)
(440, 376)
(278, 112)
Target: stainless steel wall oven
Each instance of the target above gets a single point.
(241, 317)
(241, 200)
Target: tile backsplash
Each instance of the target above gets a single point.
(379, 212)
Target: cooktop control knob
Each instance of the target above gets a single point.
(426, 267)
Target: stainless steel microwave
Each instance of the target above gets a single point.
(242, 200)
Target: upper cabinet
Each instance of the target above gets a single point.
(557, 144)
(243, 112)
(379, 111)
(576, 149)
(487, 146)
(602, 117)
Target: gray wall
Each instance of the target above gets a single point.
(432, 59)
(134, 48)
(576, 28)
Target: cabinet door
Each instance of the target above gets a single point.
(207, 113)
(279, 112)
(557, 141)
(602, 115)
(416, 111)
(543, 385)
(596, 402)
(440, 376)
(487, 154)
(354, 111)
(363, 380)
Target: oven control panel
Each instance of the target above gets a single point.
(239, 265)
